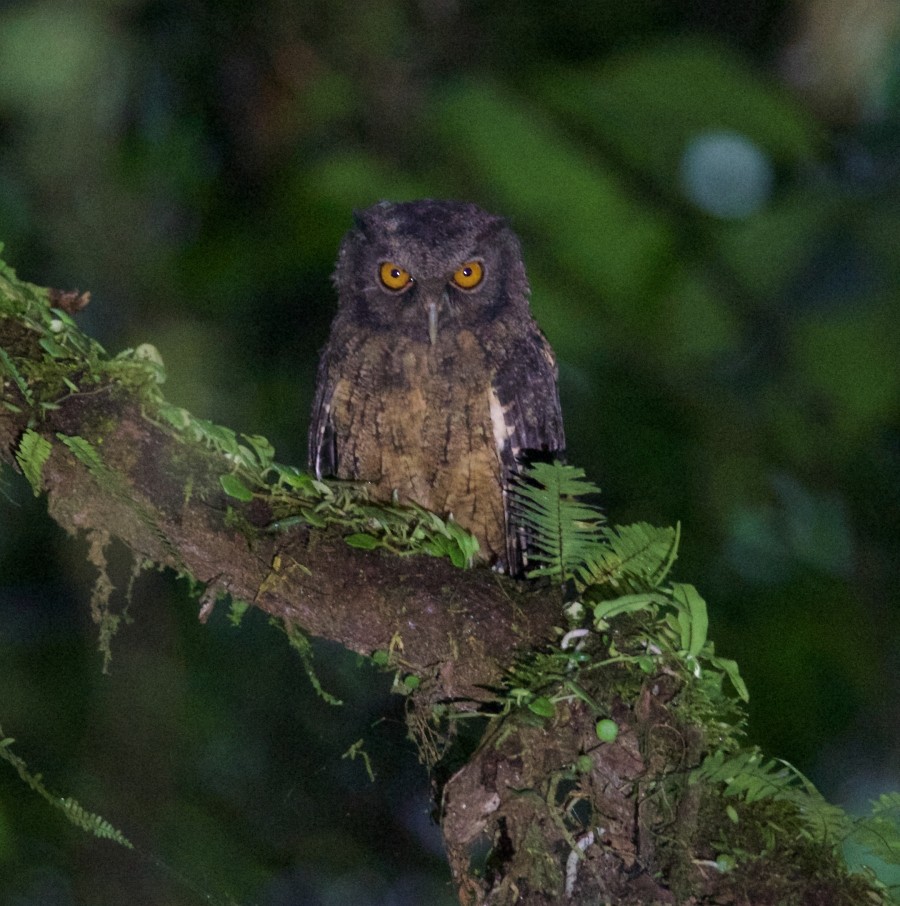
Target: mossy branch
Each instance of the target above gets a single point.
(95, 435)
(611, 718)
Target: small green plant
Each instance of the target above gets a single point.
(617, 571)
(628, 612)
(72, 810)
(562, 529)
(32, 454)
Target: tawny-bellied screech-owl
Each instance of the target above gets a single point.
(436, 384)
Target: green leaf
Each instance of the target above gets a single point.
(234, 487)
(626, 604)
(261, 447)
(465, 545)
(52, 348)
(362, 541)
(542, 706)
(731, 670)
(450, 540)
(692, 617)
(33, 452)
(216, 437)
(313, 518)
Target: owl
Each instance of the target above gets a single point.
(436, 386)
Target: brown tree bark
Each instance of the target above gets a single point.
(541, 811)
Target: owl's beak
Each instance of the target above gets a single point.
(432, 320)
(433, 307)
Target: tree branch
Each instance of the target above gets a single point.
(563, 815)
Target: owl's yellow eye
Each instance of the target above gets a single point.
(393, 276)
(469, 275)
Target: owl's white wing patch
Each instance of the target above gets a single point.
(318, 446)
(323, 454)
(504, 430)
(508, 450)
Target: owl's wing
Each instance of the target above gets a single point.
(527, 422)
(322, 449)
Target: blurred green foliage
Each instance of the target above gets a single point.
(194, 166)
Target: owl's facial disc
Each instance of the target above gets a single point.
(433, 290)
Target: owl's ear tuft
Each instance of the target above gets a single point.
(359, 219)
(371, 218)
(493, 226)
(361, 222)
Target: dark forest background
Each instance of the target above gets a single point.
(708, 200)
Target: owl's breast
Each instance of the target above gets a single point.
(414, 420)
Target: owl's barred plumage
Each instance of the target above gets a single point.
(436, 385)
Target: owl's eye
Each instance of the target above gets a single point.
(469, 275)
(393, 276)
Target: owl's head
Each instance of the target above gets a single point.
(423, 267)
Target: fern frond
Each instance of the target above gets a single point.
(561, 529)
(33, 452)
(74, 811)
(629, 558)
(750, 777)
(879, 833)
(93, 824)
(86, 453)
